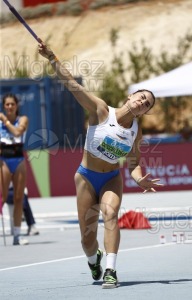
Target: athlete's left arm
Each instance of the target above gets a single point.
(134, 157)
(20, 129)
(135, 169)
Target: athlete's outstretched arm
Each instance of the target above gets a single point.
(86, 99)
(144, 181)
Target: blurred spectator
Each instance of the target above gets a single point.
(13, 129)
(186, 131)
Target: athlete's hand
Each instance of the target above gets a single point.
(45, 51)
(148, 184)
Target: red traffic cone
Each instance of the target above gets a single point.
(123, 222)
(141, 222)
(134, 220)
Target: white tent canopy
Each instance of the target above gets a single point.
(177, 82)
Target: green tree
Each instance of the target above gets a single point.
(143, 65)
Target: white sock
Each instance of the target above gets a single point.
(16, 231)
(11, 208)
(92, 259)
(111, 261)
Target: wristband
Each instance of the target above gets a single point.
(55, 59)
(138, 180)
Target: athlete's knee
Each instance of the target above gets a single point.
(109, 213)
(18, 199)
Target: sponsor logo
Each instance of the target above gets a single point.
(121, 137)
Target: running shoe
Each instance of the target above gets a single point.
(96, 269)
(110, 280)
(32, 230)
(17, 240)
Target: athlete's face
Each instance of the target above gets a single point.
(10, 106)
(141, 102)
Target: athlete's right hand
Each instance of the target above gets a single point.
(45, 51)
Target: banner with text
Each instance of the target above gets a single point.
(171, 163)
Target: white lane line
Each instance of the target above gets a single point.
(147, 247)
(81, 256)
(42, 263)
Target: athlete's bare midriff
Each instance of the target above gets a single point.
(96, 164)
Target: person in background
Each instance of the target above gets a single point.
(27, 211)
(112, 133)
(12, 162)
(186, 131)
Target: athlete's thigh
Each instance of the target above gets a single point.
(5, 178)
(87, 202)
(111, 196)
(19, 179)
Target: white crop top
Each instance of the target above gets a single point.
(110, 141)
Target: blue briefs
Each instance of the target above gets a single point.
(12, 163)
(97, 179)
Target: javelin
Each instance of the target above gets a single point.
(20, 18)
